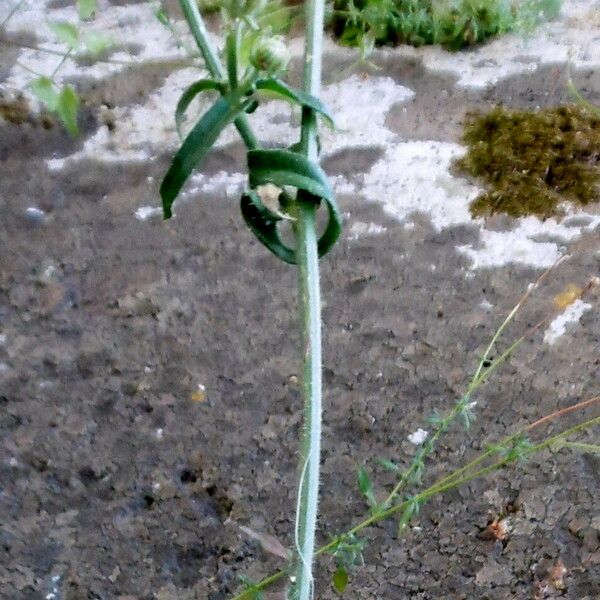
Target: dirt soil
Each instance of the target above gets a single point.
(120, 478)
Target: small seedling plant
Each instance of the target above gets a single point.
(78, 40)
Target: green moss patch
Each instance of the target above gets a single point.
(533, 161)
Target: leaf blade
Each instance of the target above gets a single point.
(67, 109)
(189, 94)
(87, 8)
(340, 579)
(66, 32)
(43, 89)
(286, 168)
(96, 42)
(195, 146)
(365, 485)
(283, 91)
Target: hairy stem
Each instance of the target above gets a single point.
(307, 259)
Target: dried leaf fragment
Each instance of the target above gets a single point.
(556, 575)
(567, 296)
(268, 542)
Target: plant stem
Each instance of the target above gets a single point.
(213, 64)
(310, 320)
(585, 447)
(307, 259)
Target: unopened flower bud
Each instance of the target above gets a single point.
(270, 54)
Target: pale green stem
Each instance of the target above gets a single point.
(61, 63)
(585, 447)
(307, 259)
(308, 282)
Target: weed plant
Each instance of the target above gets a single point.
(453, 24)
(283, 185)
(409, 494)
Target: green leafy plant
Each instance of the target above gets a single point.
(453, 24)
(79, 42)
(268, 201)
(254, 59)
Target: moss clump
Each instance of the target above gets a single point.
(533, 161)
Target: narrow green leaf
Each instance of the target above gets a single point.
(96, 42)
(195, 146)
(87, 8)
(283, 91)
(43, 89)
(66, 32)
(282, 167)
(190, 93)
(365, 485)
(67, 109)
(286, 168)
(251, 591)
(161, 14)
(263, 224)
(388, 465)
(340, 579)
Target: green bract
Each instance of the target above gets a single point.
(270, 54)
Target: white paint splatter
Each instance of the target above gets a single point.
(414, 177)
(559, 325)
(418, 437)
(359, 229)
(145, 212)
(486, 304)
(36, 213)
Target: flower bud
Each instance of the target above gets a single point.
(270, 54)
